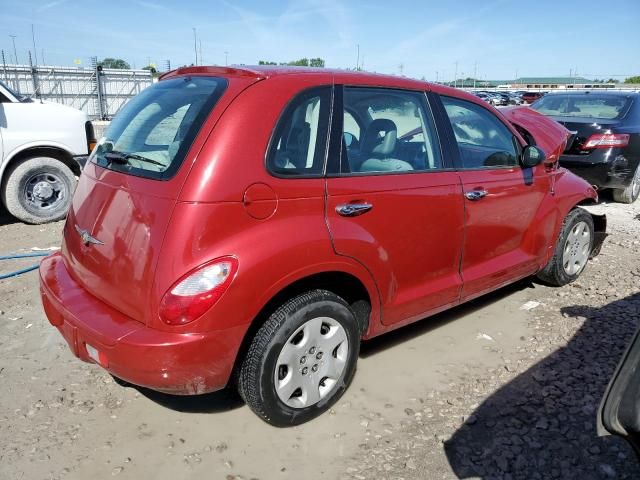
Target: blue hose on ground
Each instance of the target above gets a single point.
(23, 270)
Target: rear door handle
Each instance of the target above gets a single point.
(353, 209)
(476, 194)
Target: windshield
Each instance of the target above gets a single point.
(19, 96)
(607, 107)
(152, 133)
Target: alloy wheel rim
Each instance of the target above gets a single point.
(311, 362)
(576, 249)
(635, 185)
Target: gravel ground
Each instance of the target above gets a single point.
(489, 390)
(533, 417)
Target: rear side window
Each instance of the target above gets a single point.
(607, 107)
(299, 143)
(483, 140)
(152, 134)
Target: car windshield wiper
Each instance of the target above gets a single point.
(122, 158)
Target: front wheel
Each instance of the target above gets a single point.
(632, 192)
(301, 360)
(572, 250)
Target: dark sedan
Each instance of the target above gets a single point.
(605, 147)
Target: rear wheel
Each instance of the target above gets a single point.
(631, 193)
(572, 250)
(301, 360)
(38, 190)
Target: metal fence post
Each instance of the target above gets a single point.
(97, 69)
(34, 77)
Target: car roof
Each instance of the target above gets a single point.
(340, 76)
(616, 93)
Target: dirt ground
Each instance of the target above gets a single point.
(497, 389)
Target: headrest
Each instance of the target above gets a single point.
(380, 146)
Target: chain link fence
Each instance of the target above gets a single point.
(99, 92)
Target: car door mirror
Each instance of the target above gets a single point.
(532, 156)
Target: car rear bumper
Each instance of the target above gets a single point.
(178, 363)
(602, 168)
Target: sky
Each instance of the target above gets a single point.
(496, 39)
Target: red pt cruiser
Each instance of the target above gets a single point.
(252, 226)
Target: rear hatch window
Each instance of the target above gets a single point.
(152, 133)
(607, 107)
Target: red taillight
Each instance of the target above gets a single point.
(606, 140)
(197, 291)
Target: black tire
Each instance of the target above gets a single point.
(21, 180)
(554, 272)
(256, 379)
(632, 192)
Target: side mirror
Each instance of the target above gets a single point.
(532, 156)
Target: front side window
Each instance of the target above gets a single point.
(153, 132)
(394, 132)
(298, 146)
(483, 140)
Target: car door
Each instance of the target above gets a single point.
(501, 198)
(393, 204)
(619, 412)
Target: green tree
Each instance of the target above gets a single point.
(266, 62)
(114, 63)
(303, 62)
(612, 80)
(316, 62)
(634, 79)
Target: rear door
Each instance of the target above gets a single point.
(393, 204)
(619, 413)
(500, 198)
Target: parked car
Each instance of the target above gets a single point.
(38, 142)
(210, 240)
(605, 149)
(619, 412)
(530, 97)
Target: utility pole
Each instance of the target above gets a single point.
(436, 76)
(475, 73)
(35, 50)
(358, 57)
(226, 58)
(195, 45)
(200, 42)
(15, 54)
(401, 68)
(455, 78)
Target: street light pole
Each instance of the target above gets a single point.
(226, 58)
(195, 45)
(15, 54)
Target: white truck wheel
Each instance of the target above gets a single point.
(38, 189)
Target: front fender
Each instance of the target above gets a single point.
(568, 191)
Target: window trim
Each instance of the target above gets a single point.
(453, 142)
(275, 131)
(334, 162)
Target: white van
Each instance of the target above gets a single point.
(38, 143)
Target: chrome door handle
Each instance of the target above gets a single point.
(353, 209)
(476, 194)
